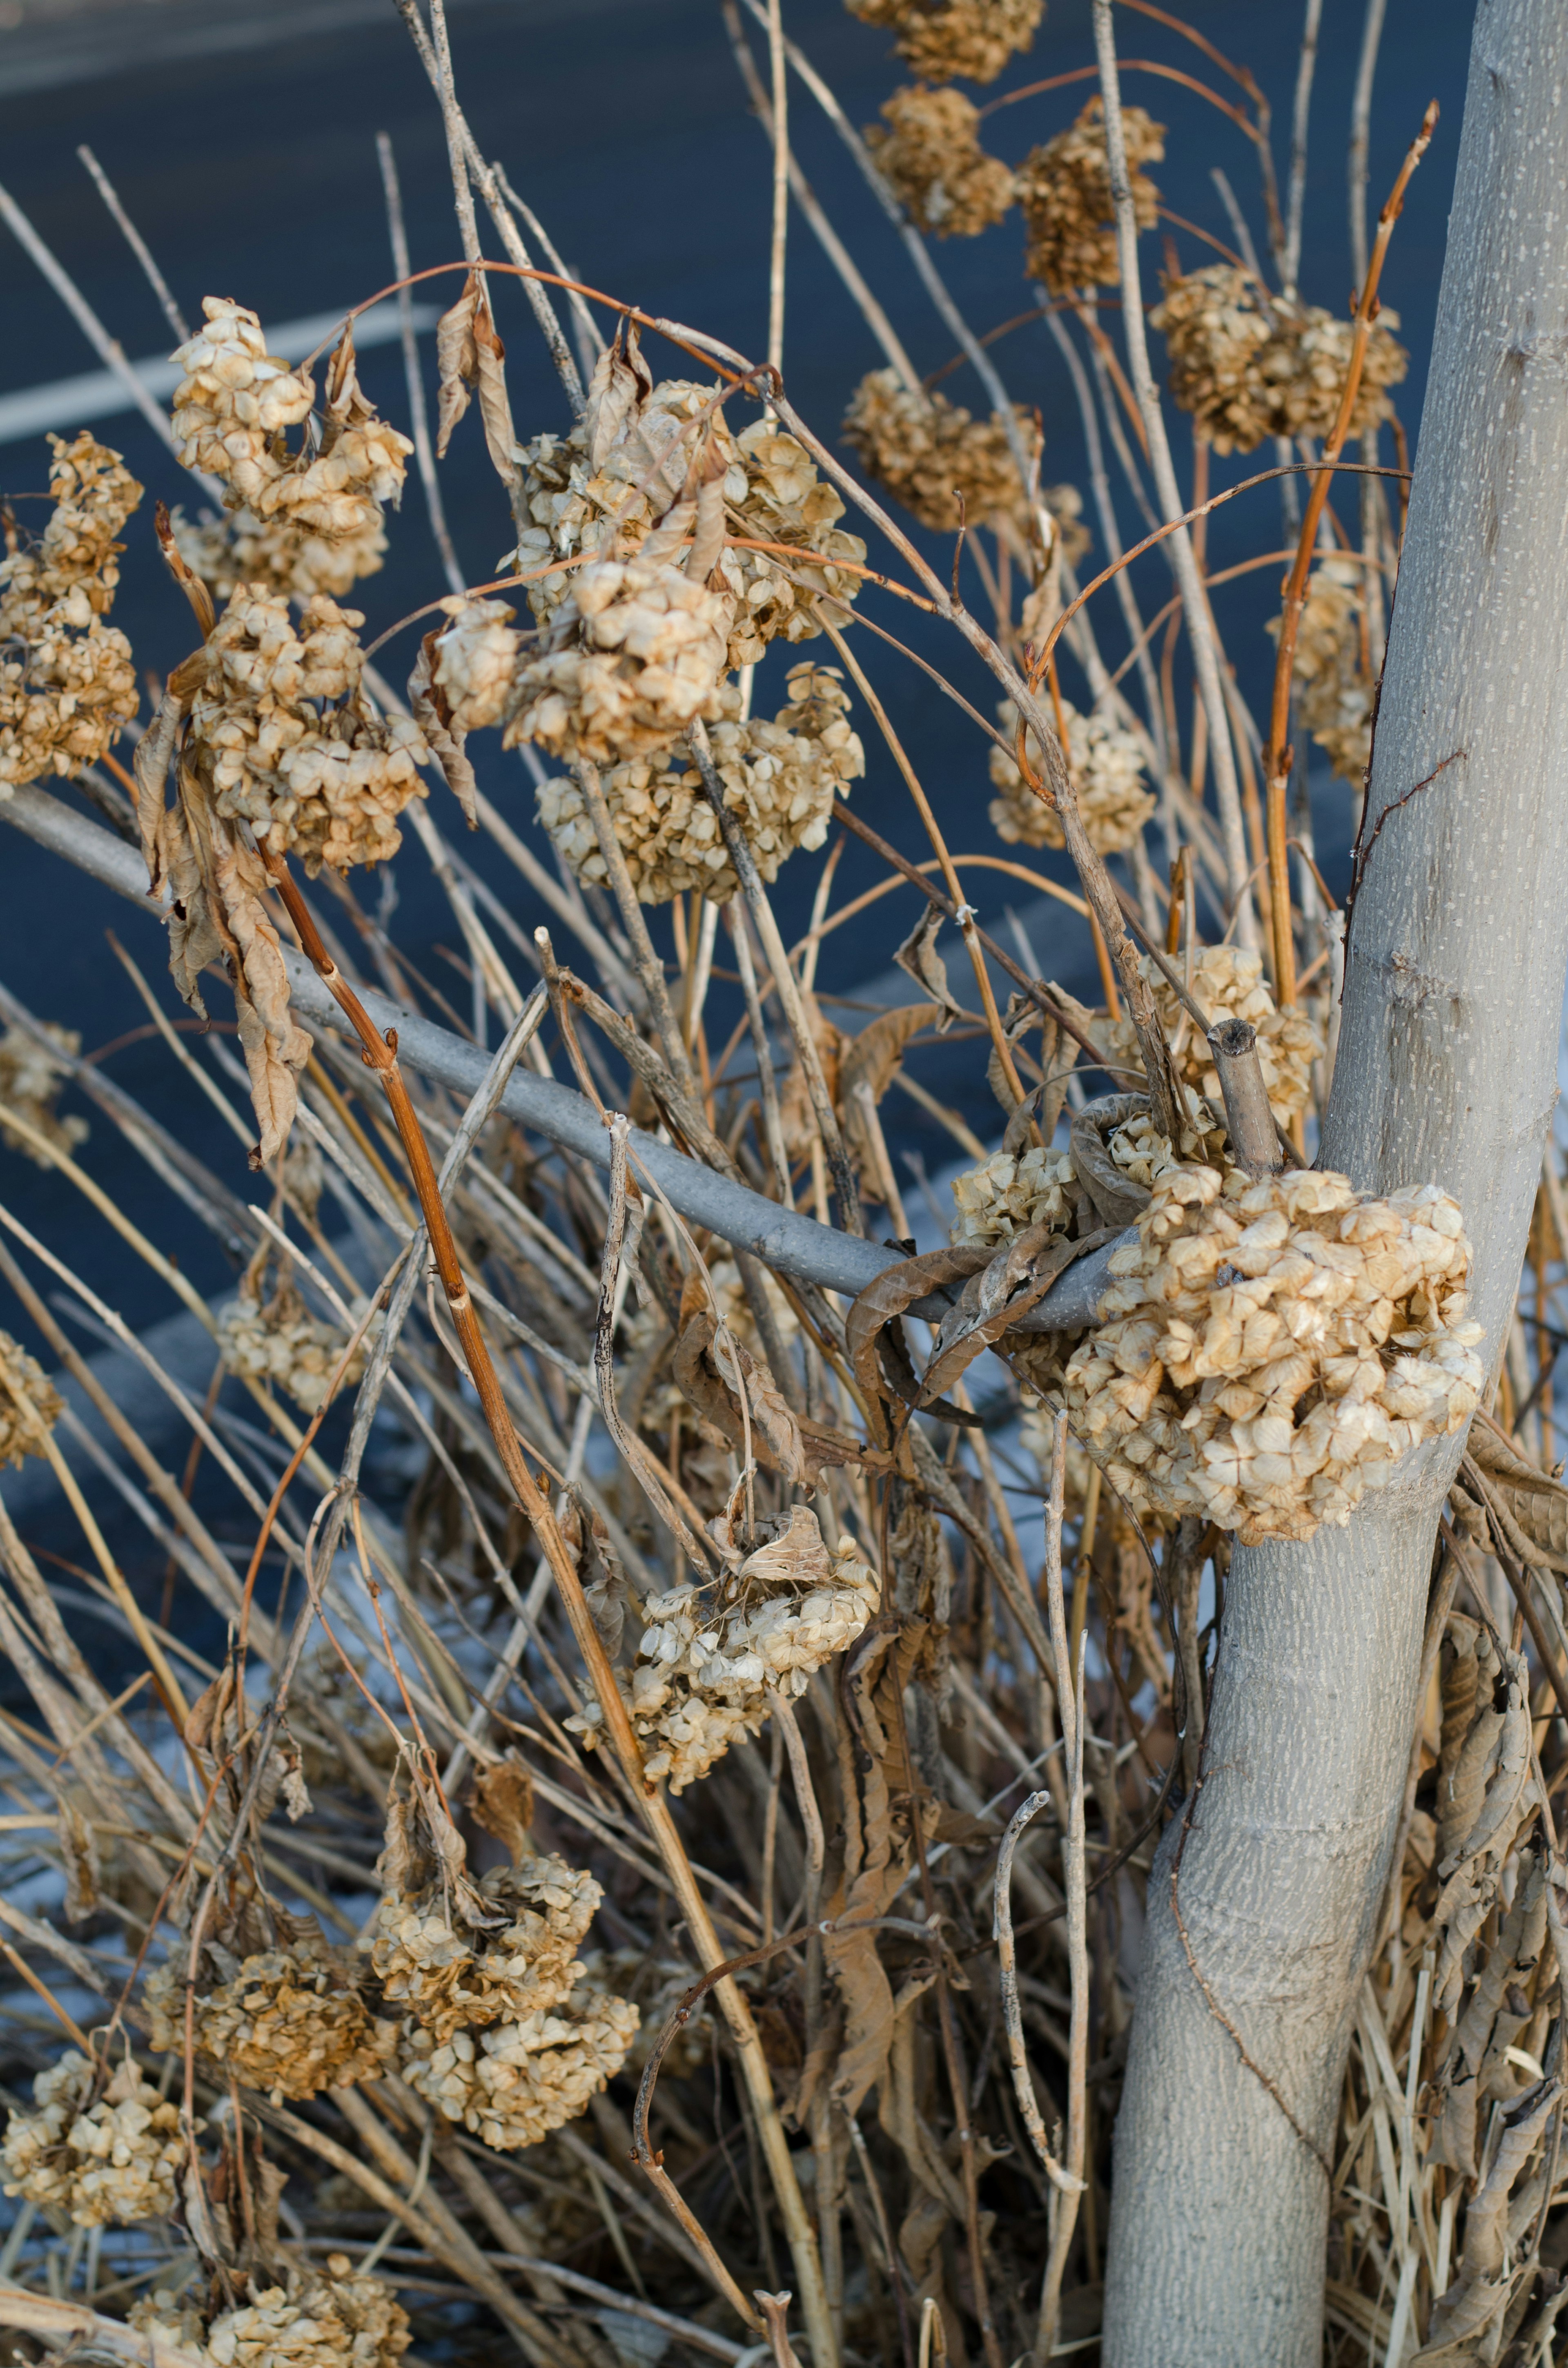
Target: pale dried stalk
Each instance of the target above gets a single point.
(1069, 1709)
(418, 414)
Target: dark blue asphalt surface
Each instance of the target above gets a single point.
(253, 173)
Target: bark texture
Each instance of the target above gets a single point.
(1446, 1071)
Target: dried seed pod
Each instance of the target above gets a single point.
(931, 158)
(515, 2082)
(336, 2320)
(927, 452)
(282, 738)
(67, 684)
(105, 2153)
(29, 1406)
(277, 1339)
(312, 518)
(1064, 189)
(30, 1081)
(445, 1969)
(606, 486)
(1247, 364)
(702, 1671)
(1333, 696)
(476, 661)
(779, 779)
(290, 2020)
(1266, 1351)
(940, 39)
(1228, 984)
(635, 653)
(1107, 769)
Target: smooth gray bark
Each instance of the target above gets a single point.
(1447, 1072)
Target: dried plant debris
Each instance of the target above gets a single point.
(1227, 983)
(303, 521)
(101, 2147)
(29, 1406)
(275, 1340)
(450, 1955)
(1248, 364)
(1333, 666)
(335, 2318)
(940, 39)
(779, 779)
(290, 2020)
(703, 1670)
(1266, 1351)
(930, 155)
(623, 471)
(512, 2083)
(283, 738)
(944, 466)
(67, 683)
(635, 654)
(1069, 214)
(30, 1081)
(1006, 1194)
(1106, 764)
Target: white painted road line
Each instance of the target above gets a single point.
(68, 403)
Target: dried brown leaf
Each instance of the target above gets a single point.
(446, 744)
(918, 956)
(456, 359)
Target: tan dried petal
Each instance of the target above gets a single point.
(1248, 364)
(1064, 189)
(931, 156)
(940, 39)
(1107, 765)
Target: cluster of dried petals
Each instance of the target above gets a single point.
(315, 512)
(1266, 1351)
(928, 452)
(1334, 695)
(606, 485)
(779, 779)
(476, 661)
(227, 553)
(1070, 214)
(703, 1669)
(1107, 769)
(277, 1340)
(106, 2154)
(1247, 364)
(970, 38)
(290, 2020)
(446, 1972)
(1228, 984)
(635, 654)
(282, 737)
(654, 1986)
(30, 1081)
(334, 2320)
(1006, 1195)
(515, 2082)
(67, 683)
(931, 158)
(29, 1406)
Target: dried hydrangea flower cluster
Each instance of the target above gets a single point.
(928, 451)
(338, 2321)
(1064, 189)
(1006, 1195)
(104, 2153)
(277, 1339)
(930, 155)
(514, 2082)
(1228, 984)
(290, 2020)
(281, 735)
(780, 780)
(635, 653)
(1333, 696)
(1247, 364)
(702, 1671)
(67, 683)
(616, 475)
(1107, 767)
(302, 522)
(1266, 1351)
(29, 1406)
(441, 1968)
(30, 1079)
(940, 39)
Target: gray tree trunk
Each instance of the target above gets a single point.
(1447, 1072)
